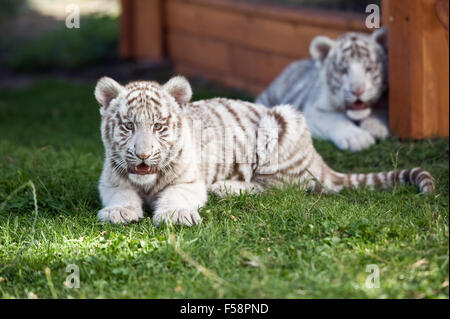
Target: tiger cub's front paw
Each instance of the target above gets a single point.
(186, 217)
(375, 127)
(120, 215)
(353, 139)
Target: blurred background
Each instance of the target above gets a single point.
(226, 47)
(36, 43)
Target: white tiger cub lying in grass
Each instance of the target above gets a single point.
(339, 90)
(167, 152)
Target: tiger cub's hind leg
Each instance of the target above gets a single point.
(224, 188)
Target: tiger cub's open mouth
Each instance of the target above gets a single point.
(359, 105)
(142, 169)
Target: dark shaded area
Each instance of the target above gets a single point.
(10, 8)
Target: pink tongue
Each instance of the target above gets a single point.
(144, 169)
(359, 105)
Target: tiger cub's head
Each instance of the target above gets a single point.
(354, 68)
(142, 125)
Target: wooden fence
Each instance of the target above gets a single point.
(236, 43)
(418, 68)
(246, 46)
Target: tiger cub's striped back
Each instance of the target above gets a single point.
(272, 146)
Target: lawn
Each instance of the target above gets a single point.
(279, 244)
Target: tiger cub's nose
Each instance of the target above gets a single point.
(359, 90)
(143, 156)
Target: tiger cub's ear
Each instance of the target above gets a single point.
(107, 90)
(380, 36)
(320, 48)
(180, 89)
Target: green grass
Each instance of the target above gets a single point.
(280, 244)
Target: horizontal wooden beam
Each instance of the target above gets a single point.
(307, 16)
(230, 80)
(249, 65)
(233, 23)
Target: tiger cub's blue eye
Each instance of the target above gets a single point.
(157, 126)
(129, 125)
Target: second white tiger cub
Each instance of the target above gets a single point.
(166, 152)
(341, 91)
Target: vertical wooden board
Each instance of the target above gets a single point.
(414, 21)
(418, 69)
(148, 33)
(442, 9)
(126, 29)
(435, 72)
(212, 54)
(400, 115)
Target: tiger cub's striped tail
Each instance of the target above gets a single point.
(415, 176)
(298, 159)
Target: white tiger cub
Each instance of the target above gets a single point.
(164, 151)
(339, 91)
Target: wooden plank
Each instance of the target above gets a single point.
(435, 51)
(257, 66)
(257, 46)
(442, 12)
(400, 117)
(148, 30)
(126, 29)
(307, 16)
(190, 69)
(252, 30)
(419, 69)
(212, 54)
(252, 66)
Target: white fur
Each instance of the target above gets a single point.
(123, 198)
(375, 127)
(304, 85)
(339, 129)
